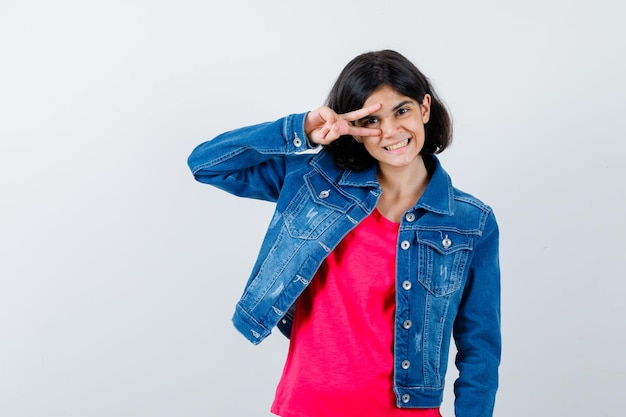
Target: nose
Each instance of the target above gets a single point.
(389, 127)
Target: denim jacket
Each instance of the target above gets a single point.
(447, 271)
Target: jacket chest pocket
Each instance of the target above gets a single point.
(443, 259)
(315, 207)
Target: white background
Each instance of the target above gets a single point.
(119, 273)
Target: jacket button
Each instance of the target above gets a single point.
(407, 324)
(410, 217)
(324, 194)
(405, 244)
(446, 242)
(297, 142)
(406, 364)
(406, 398)
(406, 284)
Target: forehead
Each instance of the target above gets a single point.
(387, 96)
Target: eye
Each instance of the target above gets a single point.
(402, 110)
(370, 121)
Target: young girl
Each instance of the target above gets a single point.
(381, 258)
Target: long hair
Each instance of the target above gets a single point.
(359, 79)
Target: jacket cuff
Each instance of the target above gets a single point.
(293, 131)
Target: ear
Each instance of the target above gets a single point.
(426, 108)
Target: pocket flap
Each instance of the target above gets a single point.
(446, 241)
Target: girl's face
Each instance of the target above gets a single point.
(401, 120)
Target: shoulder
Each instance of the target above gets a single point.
(477, 212)
(464, 198)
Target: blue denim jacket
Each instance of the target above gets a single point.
(447, 278)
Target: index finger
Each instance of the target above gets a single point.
(361, 113)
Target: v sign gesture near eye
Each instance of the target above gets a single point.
(323, 125)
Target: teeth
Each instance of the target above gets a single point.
(397, 145)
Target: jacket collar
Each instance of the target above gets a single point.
(438, 196)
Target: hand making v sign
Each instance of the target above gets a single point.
(323, 125)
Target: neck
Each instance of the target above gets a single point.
(402, 181)
(401, 188)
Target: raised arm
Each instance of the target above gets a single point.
(250, 161)
(253, 161)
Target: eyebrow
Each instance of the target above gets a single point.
(402, 104)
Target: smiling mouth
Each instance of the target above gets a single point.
(398, 145)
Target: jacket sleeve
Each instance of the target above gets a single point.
(477, 329)
(250, 161)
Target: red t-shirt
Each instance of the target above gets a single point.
(340, 361)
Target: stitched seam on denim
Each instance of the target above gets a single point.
(473, 201)
(235, 153)
(250, 317)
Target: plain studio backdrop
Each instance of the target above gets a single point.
(119, 273)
